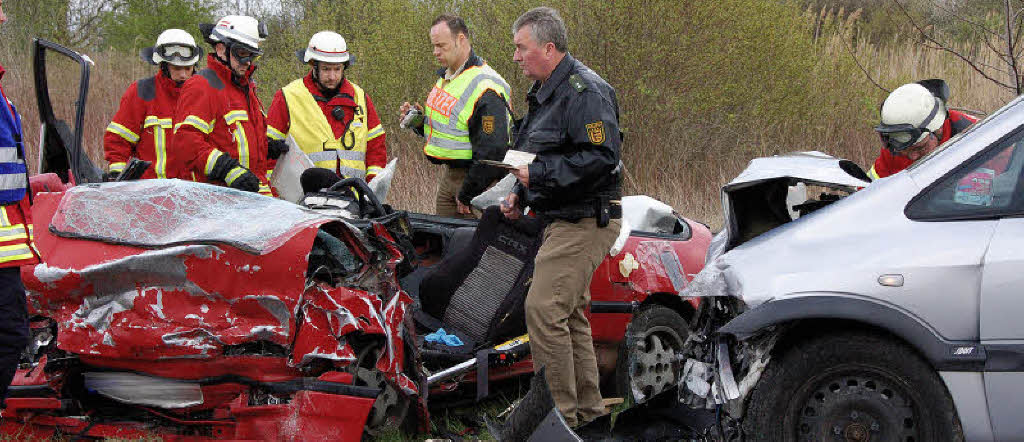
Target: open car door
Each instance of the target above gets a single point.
(62, 86)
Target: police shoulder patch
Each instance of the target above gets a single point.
(577, 83)
(595, 131)
(487, 124)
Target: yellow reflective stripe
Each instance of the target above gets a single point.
(124, 132)
(212, 161)
(160, 145)
(872, 174)
(4, 221)
(373, 170)
(265, 190)
(270, 173)
(375, 132)
(13, 233)
(15, 252)
(116, 167)
(197, 123)
(153, 120)
(243, 145)
(233, 175)
(274, 134)
(236, 116)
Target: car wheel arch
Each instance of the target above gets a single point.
(812, 314)
(673, 301)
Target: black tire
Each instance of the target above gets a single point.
(652, 326)
(850, 386)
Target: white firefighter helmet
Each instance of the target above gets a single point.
(241, 29)
(908, 114)
(173, 46)
(326, 46)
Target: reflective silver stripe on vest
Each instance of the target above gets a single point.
(330, 155)
(21, 250)
(453, 119)
(352, 173)
(12, 181)
(8, 154)
(445, 143)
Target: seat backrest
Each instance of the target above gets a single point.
(478, 289)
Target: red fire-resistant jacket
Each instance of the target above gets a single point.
(215, 116)
(279, 121)
(888, 164)
(142, 128)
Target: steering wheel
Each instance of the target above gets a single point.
(369, 205)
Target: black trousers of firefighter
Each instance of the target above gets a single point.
(13, 325)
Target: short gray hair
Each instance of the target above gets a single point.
(545, 26)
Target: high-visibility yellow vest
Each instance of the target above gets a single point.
(312, 132)
(449, 108)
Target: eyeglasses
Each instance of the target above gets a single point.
(176, 52)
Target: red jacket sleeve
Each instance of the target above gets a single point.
(124, 130)
(888, 164)
(278, 119)
(376, 150)
(195, 117)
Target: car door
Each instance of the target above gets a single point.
(989, 187)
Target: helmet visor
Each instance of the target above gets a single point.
(176, 52)
(899, 137)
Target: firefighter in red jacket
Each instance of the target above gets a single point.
(331, 118)
(914, 121)
(220, 120)
(15, 237)
(144, 123)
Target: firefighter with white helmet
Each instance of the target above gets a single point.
(220, 119)
(331, 118)
(914, 121)
(144, 123)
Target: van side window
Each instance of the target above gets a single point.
(988, 187)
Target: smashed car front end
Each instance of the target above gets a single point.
(185, 309)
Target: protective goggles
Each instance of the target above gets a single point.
(245, 54)
(176, 52)
(900, 137)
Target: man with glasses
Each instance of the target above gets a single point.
(914, 121)
(220, 119)
(143, 124)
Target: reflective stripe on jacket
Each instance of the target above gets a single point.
(142, 128)
(313, 133)
(215, 116)
(449, 108)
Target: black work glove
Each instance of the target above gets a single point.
(276, 148)
(233, 174)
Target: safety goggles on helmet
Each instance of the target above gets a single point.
(900, 137)
(245, 54)
(176, 52)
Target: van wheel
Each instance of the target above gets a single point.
(648, 362)
(854, 386)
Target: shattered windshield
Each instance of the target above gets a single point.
(155, 213)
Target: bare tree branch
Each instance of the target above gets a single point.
(1012, 61)
(957, 16)
(936, 44)
(865, 71)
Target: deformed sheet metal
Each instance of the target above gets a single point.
(157, 213)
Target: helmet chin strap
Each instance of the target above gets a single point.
(327, 92)
(167, 73)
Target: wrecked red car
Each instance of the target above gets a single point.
(198, 310)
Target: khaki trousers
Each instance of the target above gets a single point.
(559, 332)
(447, 190)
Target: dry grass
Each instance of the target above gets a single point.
(680, 161)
